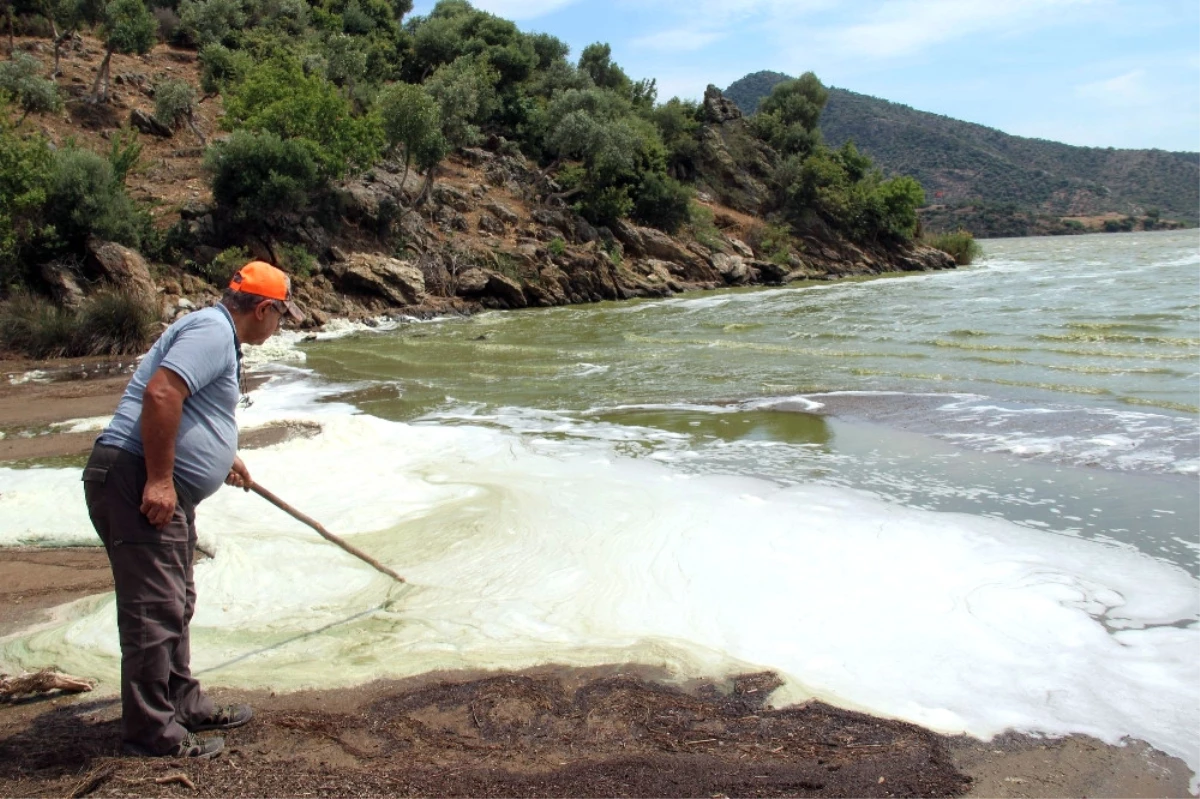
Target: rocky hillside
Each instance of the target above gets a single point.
(997, 184)
(488, 236)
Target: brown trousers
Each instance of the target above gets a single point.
(152, 570)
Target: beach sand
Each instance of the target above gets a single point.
(551, 731)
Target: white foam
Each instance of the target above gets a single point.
(90, 424)
(32, 376)
(523, 550)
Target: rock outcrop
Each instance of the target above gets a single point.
(123, 268)
(398, 282)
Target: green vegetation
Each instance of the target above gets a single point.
(318, 91)
(34, 94)
(109, 323)
(960, 245)
(772, 242)
(175, 105)
(128, 27)
(220, 269)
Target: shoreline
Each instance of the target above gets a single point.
(297, 742)
(553, 730)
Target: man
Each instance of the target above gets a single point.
(171, 444)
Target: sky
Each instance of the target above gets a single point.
(1099, 73)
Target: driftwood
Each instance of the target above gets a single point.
(92, 780)
(41, 682)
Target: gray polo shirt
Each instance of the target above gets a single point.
(202, 348)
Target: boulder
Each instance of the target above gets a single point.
(124, 268)
(471, 282)
(149, 125)
(444, 194)
(740, 247)
(490, 224)
(732, 268)
(63, 283)
(506, 290)
(503, 213)
(629, 236)
(770, 272)
(398, 282)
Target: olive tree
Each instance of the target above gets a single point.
(128, 28)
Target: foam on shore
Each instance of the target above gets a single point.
(523, 549)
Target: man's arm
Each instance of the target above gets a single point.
(162, 408)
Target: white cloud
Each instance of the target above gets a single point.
(1127, 89)
(906, 27)
(680, 40)
(521, 9)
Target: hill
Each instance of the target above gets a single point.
(404, 200)
(996, 184)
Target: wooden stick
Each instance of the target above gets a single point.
(328, 536)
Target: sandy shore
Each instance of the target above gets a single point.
(552, 731)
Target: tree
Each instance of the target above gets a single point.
(205, 22)
(596, 61)
(128, 28)
(465, 93)
(346, 59)
(278, 96)
(678, 123)
(65, 18)
(412, 120)
(787, 118)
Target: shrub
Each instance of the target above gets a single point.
(26, 164)
(220, 67)
(255, 174)
(34, 94)
(703, 227)
(662, 202)
(296, 258)
(204, 22)
(35, 326)
(123, 153)
(772, 242)
(219, 270)
(557, 246)
(960, 245)
(86, 199)
(277, 97)
(113, 322)
(174, 102)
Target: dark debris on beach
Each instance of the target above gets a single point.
(527, 734)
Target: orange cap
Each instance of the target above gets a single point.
(259, 277)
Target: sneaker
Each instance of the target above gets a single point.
(191, 746)
(224, 718)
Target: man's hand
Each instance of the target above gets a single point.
(158, 502)
(239, 475)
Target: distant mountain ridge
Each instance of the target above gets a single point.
(997, 184)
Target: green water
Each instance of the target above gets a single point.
(1054, 383)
